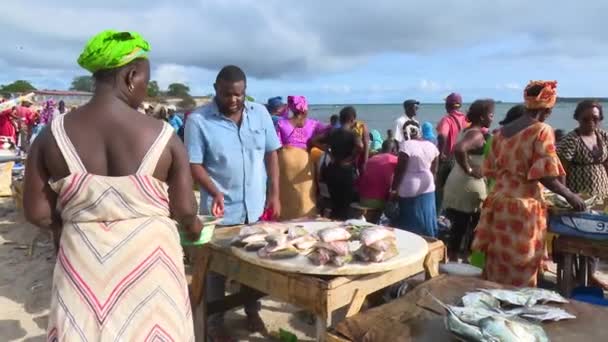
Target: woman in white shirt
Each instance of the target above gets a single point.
(414, 182)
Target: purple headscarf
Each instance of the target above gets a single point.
(48, 112)
(297, 104)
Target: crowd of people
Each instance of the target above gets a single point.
(115, 184)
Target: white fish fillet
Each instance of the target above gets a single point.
(333, 234)
(372, 235)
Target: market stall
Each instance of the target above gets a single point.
(295, 280)
(576, 237)
(418, 317)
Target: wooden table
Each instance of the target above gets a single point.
(565, 249)
(416, 317)
(318, 295)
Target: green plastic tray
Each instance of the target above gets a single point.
(209, 223)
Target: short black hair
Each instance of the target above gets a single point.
(588, 104)
(388, 145)
(334, 119)
(231, 73)
(480, 108)
(347, 114)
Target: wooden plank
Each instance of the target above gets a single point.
(331, 337)
(305, 292)
(356, 302)
(567, 275)
(201, 258)
(343, 295)
(586, 247)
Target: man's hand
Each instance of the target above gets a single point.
(273, 202)
(217, 206)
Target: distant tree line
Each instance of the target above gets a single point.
(87, 83)
(182, 91)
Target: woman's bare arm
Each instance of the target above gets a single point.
(472, 140)
(400, 170)
(39, 200)
(182, 203)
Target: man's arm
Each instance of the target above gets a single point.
(272, 166)
(442, 133)
(365, 144)
(196, 145)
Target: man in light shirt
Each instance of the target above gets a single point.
(411, 108)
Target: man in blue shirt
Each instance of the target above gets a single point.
(232, 146)
(175, 121)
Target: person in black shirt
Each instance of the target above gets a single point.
(340, 174)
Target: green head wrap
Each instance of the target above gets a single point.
(112, 49)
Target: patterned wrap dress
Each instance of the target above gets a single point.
(513, 223)
(119, 274)
(586, 172)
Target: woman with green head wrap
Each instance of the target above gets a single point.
(111, 183)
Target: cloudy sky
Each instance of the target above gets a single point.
(331, 51)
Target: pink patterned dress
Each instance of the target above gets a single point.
(119, 274)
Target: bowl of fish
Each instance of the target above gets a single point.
(458, 269)
(209, 223)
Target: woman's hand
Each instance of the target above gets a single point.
(576, 202)
(193, 231)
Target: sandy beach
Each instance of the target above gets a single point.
(26, 277)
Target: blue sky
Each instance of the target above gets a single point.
(331, 51)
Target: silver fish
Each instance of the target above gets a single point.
(498, 328)
(304, 242)
(295, 232)
(526, 296)
(250, 230)
(539, 295)
(254, 238)
(337, 247)
(254, 246)
(542, 313)
(341, 260)
(320, 256)
(472, 315)
(480, 300)
(276, 239)
(382, 245)
(458, 327)
(512, 297)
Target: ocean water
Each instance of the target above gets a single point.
(382, 116)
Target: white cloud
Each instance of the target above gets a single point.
(428, 85)
(509, 86)
(166, 74)
(318, 37)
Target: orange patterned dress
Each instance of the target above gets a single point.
(513, 223)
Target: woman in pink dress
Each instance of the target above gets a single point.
(296, 178)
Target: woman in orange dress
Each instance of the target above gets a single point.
(513, 223)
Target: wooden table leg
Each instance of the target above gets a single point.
(201, 257)
(568, 278)
(322, 322)
(356, 303)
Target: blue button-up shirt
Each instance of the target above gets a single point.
(233, 157)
